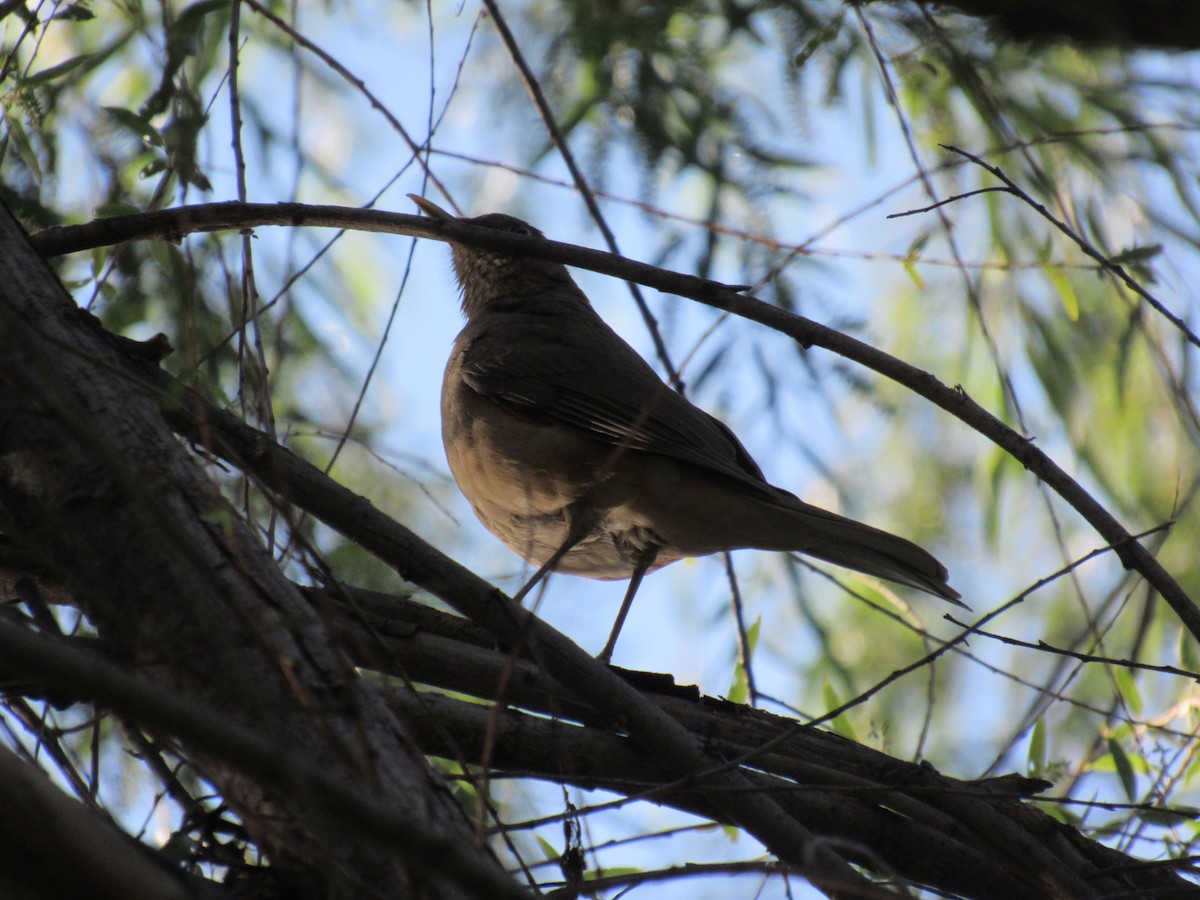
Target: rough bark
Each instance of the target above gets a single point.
(97, 488)
(1130, 24)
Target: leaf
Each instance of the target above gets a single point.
(1059, 812)
(1066, 291)
(913, 254)
(63, 68)
(1188, 657)
(1124, 347)
(911, 269)
(611, 872)
(99, 257)
(550, 851)
(116, 208)
(1128, 689)
(1136, 255)
(1035, 763)
(24, 148)
(138, 125)
(917, 247)
(1169, 818)
(1124, 769)
(840, 724)
(752, 634)
(186, 34)
(1000, 468)
(739, 689)
(820, 39)
(76, 12)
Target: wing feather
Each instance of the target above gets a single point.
(547, 380)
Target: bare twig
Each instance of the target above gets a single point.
(585, 191)
(1107, 264)
(948, 200)
(1075, 654)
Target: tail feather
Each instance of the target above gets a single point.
(844, 542)
(887, 556)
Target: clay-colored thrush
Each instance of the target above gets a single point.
(575, 454)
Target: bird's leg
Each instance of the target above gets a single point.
(581, 519)
(644, 561)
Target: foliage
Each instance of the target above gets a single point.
(763, 143)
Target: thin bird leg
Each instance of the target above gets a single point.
(581, 519)
(644, 562)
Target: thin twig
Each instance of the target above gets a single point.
(249, 313)
(1075, 654)
(1105, 263)
(948, 200)
(744, 650)
(589, 198)
(352, 79)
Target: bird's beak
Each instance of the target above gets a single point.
(430, 208)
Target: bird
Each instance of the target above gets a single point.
(574, 452)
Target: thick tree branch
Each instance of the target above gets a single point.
(51, 845)
(923, 826)
(1131, 24)
(98, 489)
(949, 834)
(66, 668)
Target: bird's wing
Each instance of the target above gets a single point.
(591, 380)
(553, 375)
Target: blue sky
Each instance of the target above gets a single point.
(680, 623)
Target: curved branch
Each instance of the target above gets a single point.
(174, 224)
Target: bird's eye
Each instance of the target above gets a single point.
(522, 229)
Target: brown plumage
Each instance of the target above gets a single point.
(567, 443)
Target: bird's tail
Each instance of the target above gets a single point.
(844, 542)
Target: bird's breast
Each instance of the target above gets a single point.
(522, 477)
(505, 462)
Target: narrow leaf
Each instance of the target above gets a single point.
(1124, 770)
(1036, 762)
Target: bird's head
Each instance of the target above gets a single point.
(492, 279)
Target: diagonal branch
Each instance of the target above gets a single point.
(580, 181)
(303, 485)
(68, 670)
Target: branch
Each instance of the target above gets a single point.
(924, 826)
(1011, 187)
(66, 669)
(1132, 24)
(174, 224)
(1045, 647)
(99, 490)
(54, 846)
(931, 829)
